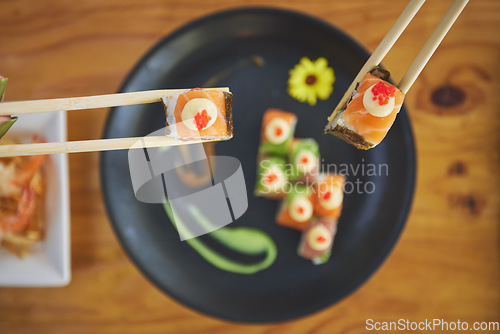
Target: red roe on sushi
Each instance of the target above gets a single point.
(382, 92)
(201, 119)
(278, 128)
(366, 119)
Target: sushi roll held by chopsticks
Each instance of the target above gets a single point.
(370, 113)
(193, 116)
(199, 113)
(370, 105)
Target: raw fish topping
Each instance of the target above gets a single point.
(382, 93)
(21, 209)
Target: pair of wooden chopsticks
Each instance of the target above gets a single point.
(422, 58)
(113, 100)
(91, 102)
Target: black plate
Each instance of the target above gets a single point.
(291, 287)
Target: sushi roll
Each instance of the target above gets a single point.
(329, 195)
(370, 113)
(297, 209)
(304, 159)
(278, 128)
(272, 181)
(317, 240)
(199, 114)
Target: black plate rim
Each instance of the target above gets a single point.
(396, 232)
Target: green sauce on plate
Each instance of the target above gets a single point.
(244, 240)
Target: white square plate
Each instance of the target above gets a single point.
(48, 264)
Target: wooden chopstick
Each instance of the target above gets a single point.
(97, 145)
(422, 58)
(382, 49)
(89, 102)
(431, 45)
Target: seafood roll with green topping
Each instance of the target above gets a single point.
(317, 240)
(272, 181)
(304, 159)
(278, 128)
(296, 210)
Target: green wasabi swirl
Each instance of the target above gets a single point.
(244, 240)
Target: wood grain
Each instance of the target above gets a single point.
(446, 264)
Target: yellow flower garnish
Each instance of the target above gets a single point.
(310, 80)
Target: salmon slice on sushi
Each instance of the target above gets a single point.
(368, 116)
(317, 240)
(297, 209)
(272, 179)
(278, 128)
(304, 160)
(199, 114)
(329, 195)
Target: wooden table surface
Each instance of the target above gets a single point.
(446, 264)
